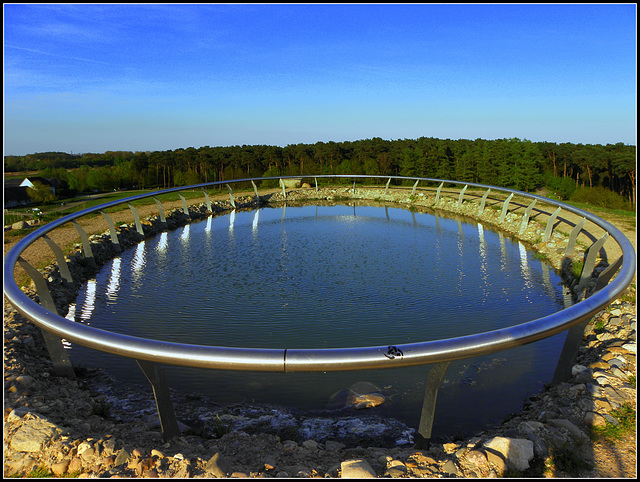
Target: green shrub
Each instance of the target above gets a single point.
(600, 197)
(564, 187)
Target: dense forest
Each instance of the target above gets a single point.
(519, 164)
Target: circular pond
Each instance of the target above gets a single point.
(333, 276)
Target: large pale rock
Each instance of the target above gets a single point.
(450, 468)
(292, 182)
(32, 435)
(60, 468)
(20, 225)
(357, 469)
(475, 458)
(218, 466)
(517, 453)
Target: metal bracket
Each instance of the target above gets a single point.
(112, 231)
(438, 192)
(136, 217)
(62, 262)
(483, 201)
(185, 208)
(61, 363)
(571, 244)
(168, 421)
(163, 220)
(505, 206)
(525, 217)
(461, 196)
(233, 203)
(434, 379)
(255, 190)
(86, 244)
(208, 201)
(549, 228)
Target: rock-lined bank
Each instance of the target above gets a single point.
(71, 427)
(67, 425)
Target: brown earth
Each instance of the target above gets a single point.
(616, 459)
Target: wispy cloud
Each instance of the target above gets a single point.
(57, 55)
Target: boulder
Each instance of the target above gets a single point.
(20, 225)
(292, 182)
(32, 435)
(517, 453)
(357, 469)
(218, 466)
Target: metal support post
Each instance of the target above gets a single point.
(461, 196)
(483, 202)
(571, 244)
(62, 262)
(436, 374)
(255, 190)
(61, 363)
(136, 218)
(163, 220)
(525, 217)
(86, 244)
(208, 201)
(438, 192)
(549, 228)
(505, 207)
(590, 262)
(185, 208)
(168, 421)
(233, 203)
(112, 231)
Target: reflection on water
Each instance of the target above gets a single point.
(185, 233)
(333, 276)
(137, 264)
(89, 301)
(114, 280)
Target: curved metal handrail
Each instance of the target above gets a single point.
(312, 360)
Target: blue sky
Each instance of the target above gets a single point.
(92, 78)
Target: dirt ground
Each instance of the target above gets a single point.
(617, 459)
(613, 459)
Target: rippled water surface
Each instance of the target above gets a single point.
(333, 276)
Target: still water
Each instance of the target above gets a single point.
(333, 276)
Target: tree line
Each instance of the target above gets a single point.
(513, 163)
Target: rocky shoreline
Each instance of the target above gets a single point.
(78, 427)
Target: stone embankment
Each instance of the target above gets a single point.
(75, 426)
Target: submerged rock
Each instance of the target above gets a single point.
(359, 396)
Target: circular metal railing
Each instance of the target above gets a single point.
(314, 360)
